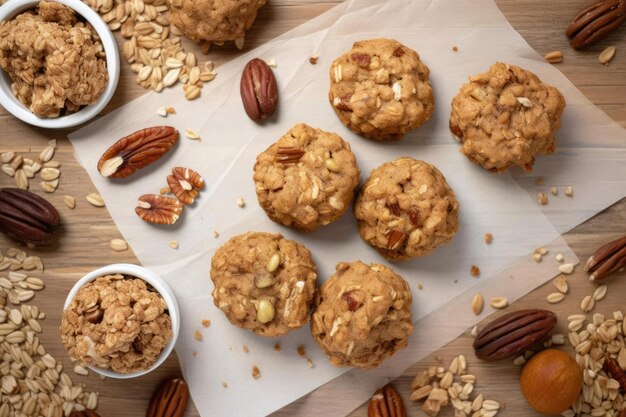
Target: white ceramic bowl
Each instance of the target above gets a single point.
(159, 284)
(14, 7)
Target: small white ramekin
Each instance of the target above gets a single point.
(11, 9)
(159, 284)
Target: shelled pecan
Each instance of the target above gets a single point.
(185, 183)
(595, 22)
(607, 259)
(170, 399)
(386, 402)
(26, 217)
(612, 368)
(259, 92)
(158, 209)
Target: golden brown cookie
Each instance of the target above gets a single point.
(406, 209)
(506, 116)
(307, 178)
(214, 20)
(362, 315)
(264, 282)
(380, 89)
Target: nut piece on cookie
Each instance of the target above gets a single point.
(380, 89)
(264, 282)
(362, 315)
(406, 209)
(214, 20)
(307, 178)
(506, 116)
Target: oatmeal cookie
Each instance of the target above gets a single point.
(214, 20)
(264, 282)
(506, 116)
(56, 63)
(406, 209)
(307, 178)
(362, 315)
(380, 89)
(117, 323)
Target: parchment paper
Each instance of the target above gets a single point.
(591, 147)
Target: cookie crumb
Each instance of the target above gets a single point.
(455, 48)
(194, 353)
(569, 191)
(165, 190)
(542, 198)
(271, 63)
(313, 59)
(206, 322)
(246, 349)
(198, 336)
(439, 359)
(162, 111)
(559, 257)
(216, 234)
(539, 181)
(241, 202)
(474, 331)
(475, 271)
(420, 286)
(225, 384)
(554, 191)
(488, 238)
(301, 351)
(310, 363)
(536, 257)
(171, 110)
(277, 347)
(174, 244)
(256, 372)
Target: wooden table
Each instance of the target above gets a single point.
(86, 232)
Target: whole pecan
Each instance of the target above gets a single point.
(84, 413)
(595, 22)
(386, 402)
(513, 333)
(607, 259)
(170, 399)
(26, 217)
(259, 92)
(136, 151)
(185, 183)
(158, 209)
(612, 368)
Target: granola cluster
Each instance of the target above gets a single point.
(116, 322)
(56, 62)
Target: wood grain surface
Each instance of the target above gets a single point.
(83, 240)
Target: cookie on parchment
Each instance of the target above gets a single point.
(307, 178)
(264, 282)
(380, 89)
(362, 315)
(406, 209)
(506, 116)
(214, 20)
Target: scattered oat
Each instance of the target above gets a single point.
(118, 245)
(313, 59)
(80, 370)
(555, 297)
(192, 134)
(475, 271)
(569, 191)
(173, 244)
(95, 199)
(474, 331)
(554, 191)
(478, 303)
(566, 268)
(542, 198)
(600, 292)
(488, 238)
(69, 201)
(246, 349)
(206, 322)
(198, 336)
(277, 347)
(271, 63)
(241, 202)
(310, 363)
(536, 257)
(560, 283)
(606, 55)
(256, 372)
(499, 302)
(554, 57)
(559, 257)
(162, 111)
(216, 234)
(420, 286)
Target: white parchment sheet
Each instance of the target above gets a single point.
(591, 157)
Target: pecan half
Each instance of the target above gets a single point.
(185, 183)
(513, 333)
(259, 92)
(395, 238)
(84, 413)
(26, 217)
(595, 22)
(94, 314)
(343, 103)
(352, 304)
(288, 154)
(612, 368)
(607, 259)
(136, 151)
(362, 60)
(386, 402)
(170, 399)
(158, 209)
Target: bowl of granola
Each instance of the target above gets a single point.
(59, 63)
(121, 320)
